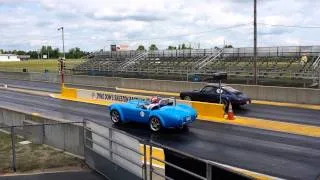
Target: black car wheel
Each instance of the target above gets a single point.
(155, 124)
(115, 116)
(226, 104)
(187, 98)
(183, 128)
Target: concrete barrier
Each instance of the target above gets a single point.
(206, 111)
(267, 93)
(69, 92)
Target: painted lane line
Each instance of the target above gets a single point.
(294, 105)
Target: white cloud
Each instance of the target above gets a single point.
(90, 24)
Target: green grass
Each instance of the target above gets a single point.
(38, 65)
(32, 157)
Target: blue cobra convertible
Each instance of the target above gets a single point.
(164, 114)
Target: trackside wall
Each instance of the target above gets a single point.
(268, 93)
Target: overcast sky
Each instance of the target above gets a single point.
(90, 25)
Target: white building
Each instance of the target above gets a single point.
(8, 57)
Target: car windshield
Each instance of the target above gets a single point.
(230, 89)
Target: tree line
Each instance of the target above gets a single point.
(52, 53)
(183, 46)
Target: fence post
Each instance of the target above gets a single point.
(110, 142)
(150, 159)
(209, 171)
(145, 162)
(13, 141)
(64, 137)
(84, 138)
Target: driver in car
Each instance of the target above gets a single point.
(154, 102)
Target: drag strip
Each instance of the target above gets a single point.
(270, 112)
(273, 153)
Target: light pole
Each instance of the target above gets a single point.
(64, 55)
(61, 61)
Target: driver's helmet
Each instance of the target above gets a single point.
(155, 99)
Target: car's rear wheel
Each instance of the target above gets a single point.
(115, 116)
(155, 124)
(187, 98)
(226, 104)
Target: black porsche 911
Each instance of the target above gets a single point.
(211, 93)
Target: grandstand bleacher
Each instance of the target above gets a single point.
(288, 62)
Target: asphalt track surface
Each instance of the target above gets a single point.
(273, 153)
(269, 112)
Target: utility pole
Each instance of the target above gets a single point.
(61, 61)
(64, 54)
(255, 41)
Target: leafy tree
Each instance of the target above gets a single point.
(19, 52)
(183, 46)
(228, 46)
(153, 47)
(54, 53)
(33, 54)
(179, 47)
(141, 48)
(75, 53)
(172, 47)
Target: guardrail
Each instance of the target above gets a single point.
(197, 168)
(117, 159)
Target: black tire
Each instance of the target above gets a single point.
(236, 106)
(187, 98)
(155, 124)
(184, 128)
(115, 116)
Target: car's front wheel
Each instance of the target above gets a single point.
(115, 116)
(155, 124)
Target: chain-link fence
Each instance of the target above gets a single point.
(39, 147)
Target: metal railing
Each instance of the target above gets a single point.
(35, 146)
(132, 60)
(107, 146)
(316, 63)
(280, 51)
(208, 175)
(208, 60)
(104, 145)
